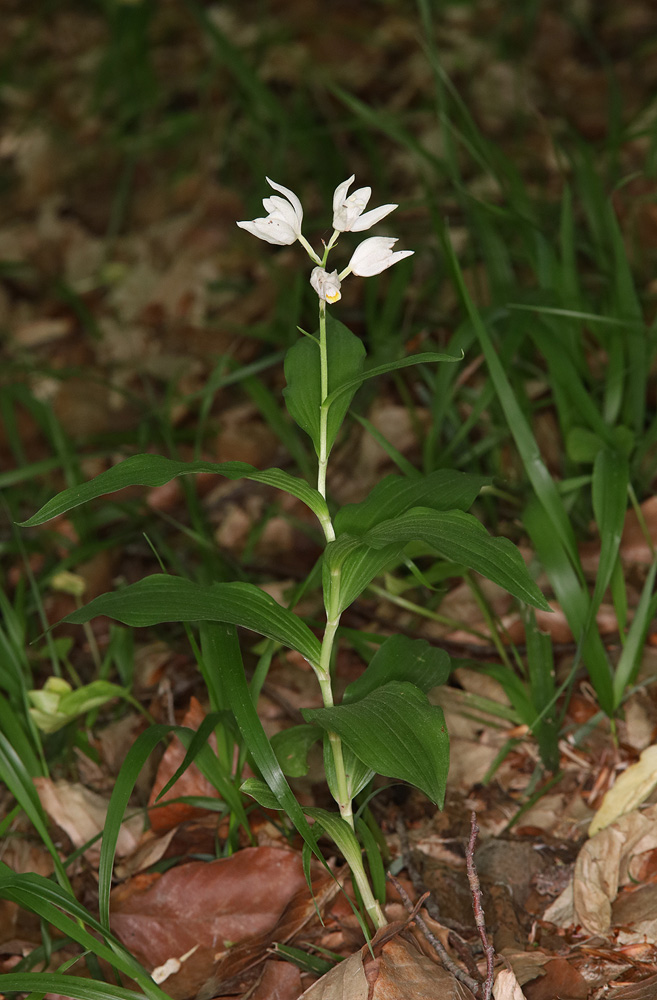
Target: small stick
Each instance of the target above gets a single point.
(435, 943)
(480, 920)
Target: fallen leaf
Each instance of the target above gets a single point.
(82, 814)
(301, 909)
(190, 782)
(507, 986)
(630, 789)
(214, 905)
(399, 972)
(279, 981)
(604, 863)
(346, 981)
(561, 979)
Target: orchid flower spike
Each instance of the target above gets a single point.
(348, 211)
(283, 224)
(326, 285)
(373, 256)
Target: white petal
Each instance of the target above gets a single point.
(292, 198)
(375, 255)
(346, 214)
(340, 192)
(371, 218)
(281, 210)
(370, 252)
(395, 258)
(271, 231)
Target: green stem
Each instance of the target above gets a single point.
(343, 794)
(343, 798)
(323, 412)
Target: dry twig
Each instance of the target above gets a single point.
(480, 920)
(435, 943)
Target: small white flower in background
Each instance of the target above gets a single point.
(283, 224)
(348, 211)
(326, 285)
(373, 256)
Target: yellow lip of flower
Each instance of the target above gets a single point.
(334, 297)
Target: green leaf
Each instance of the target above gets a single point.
(573, 596)
(60, 908)
(155, 470)
(261, 792)
(69, 986)
(537, 472)
(461, 538)
(611, 477)
(291, 747)
(345, 355)
(357, 564)
(123, 789)
(161, 598)
(350, 386)
(340, 833)
(582, 445)
(357, 773)
(394, 495)
(374, 860)
(18, 780)
(401, 659)
(630, 658)
(255, 737)
(396, 732)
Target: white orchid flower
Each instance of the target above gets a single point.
(348, 211)
(283, 224)
(326, 285)
(373, 256)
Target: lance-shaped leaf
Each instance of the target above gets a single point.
(161, 598)
(155, 470)
(396, 732)
(291, 747)
(443, 489)
(350, 386)
(461, 538)
(401, 659)
(303, 398)
(348, 566)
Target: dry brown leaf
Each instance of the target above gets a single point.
(635, 914)
(630, 789)
(82, 813)
(507, 986)
(214, 905)
(646, 989)
(561, 979)
(150, 850)
(346, 981)
(405, 974)
(299, 911)
(604, 863)
(399, 972)
(279, 981)
(191, 782)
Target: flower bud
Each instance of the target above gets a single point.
(326, 285)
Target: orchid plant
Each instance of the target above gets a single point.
(385, 722)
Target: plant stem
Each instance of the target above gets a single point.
(323, 412)
(342, 791)
(343, 798)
